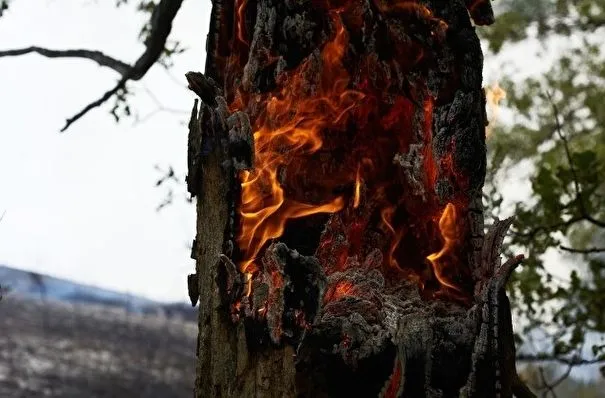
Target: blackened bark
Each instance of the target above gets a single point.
(289, 330)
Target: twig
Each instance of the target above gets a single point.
(575, 361)
(160, 107)
(531, 233)
(583, 251)
(160, 27)
(121, 84)
(550, 387)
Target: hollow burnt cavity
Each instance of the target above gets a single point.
(347, 129)
(349, 135)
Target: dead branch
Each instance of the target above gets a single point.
(160, 26)
(590, 250)
(100, 58)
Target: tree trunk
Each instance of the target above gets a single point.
(338, 157)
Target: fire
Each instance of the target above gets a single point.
(357, 196)
(241, 7)
(387, 215)
(325, 138)
(493, 95)
(290, 128)
(449, 233)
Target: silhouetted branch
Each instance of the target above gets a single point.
(583, 251)
(550, 386)
(160, 25)
(100, 58)
(541, 228)
(575, 361)
(121, 84)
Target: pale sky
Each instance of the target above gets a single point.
(81, 205)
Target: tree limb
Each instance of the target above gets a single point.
(100, 58)
(160, 25)
(583, 251)
(541, 228)
(121, 84)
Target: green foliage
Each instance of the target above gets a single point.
(559, 128)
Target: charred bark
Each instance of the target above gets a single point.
(340, 295)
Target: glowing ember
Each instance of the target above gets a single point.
(493, 95)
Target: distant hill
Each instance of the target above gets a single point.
(65, 350)
(33, 285)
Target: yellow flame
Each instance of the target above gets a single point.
(493, 95)
(357, 190)
(447, 226)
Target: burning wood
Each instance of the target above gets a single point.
(341, 163)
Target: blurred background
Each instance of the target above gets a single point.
(96, 225)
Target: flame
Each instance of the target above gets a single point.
(289, 128)
(493, 95)
(449, 233)
(241, 7)
(387, 216)
(405, 6)
(357, 189)
(354, 116)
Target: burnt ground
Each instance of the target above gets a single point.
(56, 349)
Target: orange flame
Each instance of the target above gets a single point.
(356, 199)
(493, 95)
(449, 232)
(241, 7)
(304, 116)
(404, 5)
(290, 127)
(387, 216)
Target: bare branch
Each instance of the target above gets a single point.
(121, 84)
(550, 386)
(574, 361)
(541, 228)
(100, 58)
(160, 27)
(583, 251)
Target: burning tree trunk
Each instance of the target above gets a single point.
(338, 157)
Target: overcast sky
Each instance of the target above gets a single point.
(81, 205)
